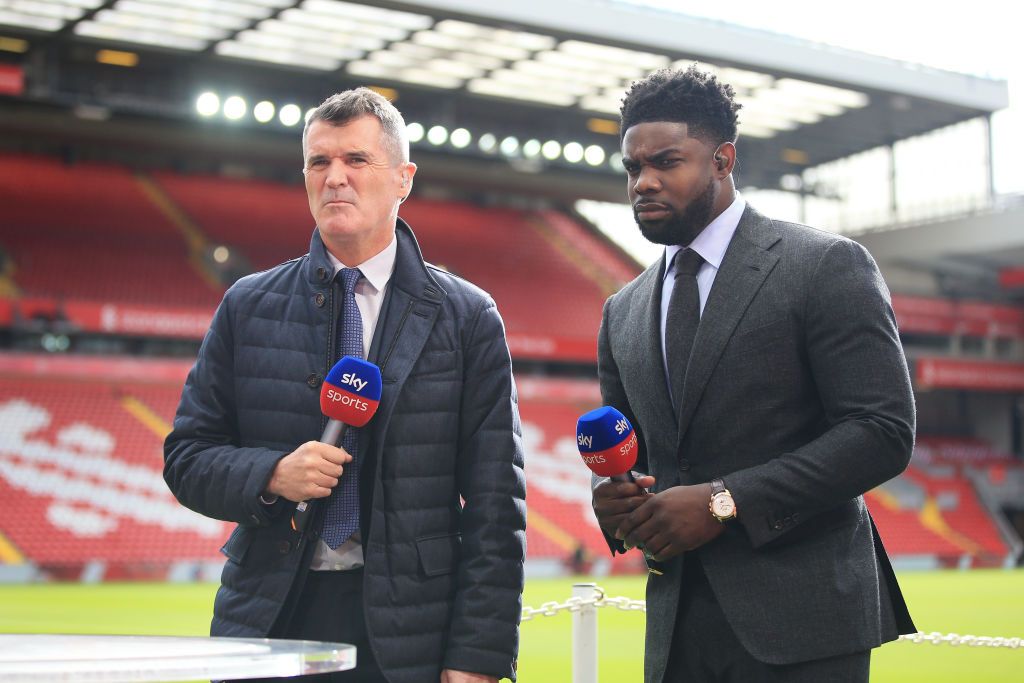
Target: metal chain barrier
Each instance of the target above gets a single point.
(936, 638)
(575, 604)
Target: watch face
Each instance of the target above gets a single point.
(722, 506)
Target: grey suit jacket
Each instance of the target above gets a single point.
(797, 394)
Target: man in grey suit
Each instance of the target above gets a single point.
(760, 365)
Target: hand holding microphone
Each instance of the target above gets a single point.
(608, 446)
(349, 396)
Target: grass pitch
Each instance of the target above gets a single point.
(979, 602)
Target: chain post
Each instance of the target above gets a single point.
(584, 633)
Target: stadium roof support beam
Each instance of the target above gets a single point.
(655, 29)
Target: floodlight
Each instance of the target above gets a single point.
(573, 152)
(208, 104)
(290, 114)
(437, 135)
(461, 138)
(263, 111)
(594, 155)
(509, 146)
(414, 131)
(488, 143)
(234, 108)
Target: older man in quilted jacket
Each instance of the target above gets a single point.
(415, 552)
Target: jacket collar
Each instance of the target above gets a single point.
(410, 271)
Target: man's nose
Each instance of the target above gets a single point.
(646, 182)
(337, 175)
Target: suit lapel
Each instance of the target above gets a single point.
(745, 267)
(644, 358)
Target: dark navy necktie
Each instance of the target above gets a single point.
(342, 517)
(682, 319)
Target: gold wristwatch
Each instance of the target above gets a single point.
(722, 506)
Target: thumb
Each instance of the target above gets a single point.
(646, 481)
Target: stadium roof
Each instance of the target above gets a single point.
(512, 76)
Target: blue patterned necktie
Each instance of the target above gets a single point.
(342, 517)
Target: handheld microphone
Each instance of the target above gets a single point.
(608, 446)
(349, 396)
(607, 443)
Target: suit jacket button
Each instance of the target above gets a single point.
(777, 526)
(283, 547)
(314, 380)
(319, 300)
(684, 464)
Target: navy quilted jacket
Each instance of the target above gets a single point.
(444, 513)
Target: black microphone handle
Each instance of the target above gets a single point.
(653, 566)
(334, 432)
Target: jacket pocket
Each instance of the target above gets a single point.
(237, 545)
(438, 554)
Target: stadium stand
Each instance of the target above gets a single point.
(81, 459)
(517, 256)
(145, 237)
(80, 454)
(81, 471)
(80, 474)
(119, 248)
(269, 222)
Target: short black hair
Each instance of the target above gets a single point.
(694, 97)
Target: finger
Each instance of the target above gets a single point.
(633, 520)
(330, 469)
(337, 456)
(618, 506)
(617, 489)
(326, 481)
(656, 545)
(316, 491)
(668, 551)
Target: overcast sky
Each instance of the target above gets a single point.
(982, 37)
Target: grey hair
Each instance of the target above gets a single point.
(346, 106)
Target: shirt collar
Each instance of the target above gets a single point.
(713, 240)
(377, 269)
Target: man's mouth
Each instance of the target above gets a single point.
(651, 211)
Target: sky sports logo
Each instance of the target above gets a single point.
(347, 398)
(355, 399)
(351, 391)
(616, 452)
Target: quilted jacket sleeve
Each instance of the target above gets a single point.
(204, 467)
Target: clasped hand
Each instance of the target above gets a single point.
(666, 524)
(310, 471)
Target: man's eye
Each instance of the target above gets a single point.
(357, 161)
(318, 163)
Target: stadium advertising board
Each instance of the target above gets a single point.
(950, 373)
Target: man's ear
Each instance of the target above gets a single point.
(725, 158)
(405, 187)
